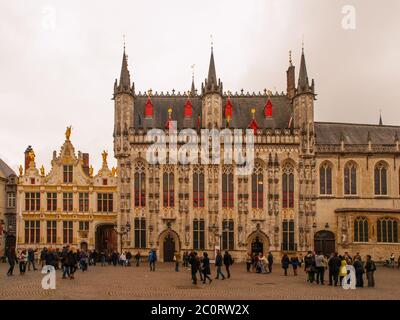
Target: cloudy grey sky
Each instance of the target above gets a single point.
(59, 59)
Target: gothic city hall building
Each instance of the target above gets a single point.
(314, 185)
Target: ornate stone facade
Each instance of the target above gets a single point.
(279, 207)
(68, 205)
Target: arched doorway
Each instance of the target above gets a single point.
(257, 246)
(169, 243)
(84, 246)
(257, 242)
(106, 238)
(324, 241)
(169, 248)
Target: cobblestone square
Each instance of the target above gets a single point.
(111, 283)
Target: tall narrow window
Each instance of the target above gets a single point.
(140, 233)
(380, 177)
(257, 187)
(325, 179)
(83, 225)
(387, 230)
(198, 187)
(83, 201)
(227, 187)
(51, 201)
(350, 179)
(68, 202)
(32, 231)
(68, 174)
(227, 235)
(361, 230)
(288, 186)
(32, 201)
(11, 200)
(140, 185)
(198, 234)
(52, 232)
(288, 236)
(67, 232)
(168, 187)
(105, 202)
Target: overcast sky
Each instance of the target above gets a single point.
(59, 59)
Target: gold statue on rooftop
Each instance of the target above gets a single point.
(91, 171)
(104, 155)
(32, 155)
(68, 133)
(21, 170)
(42, 171)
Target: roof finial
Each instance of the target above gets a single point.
(123, 37)
(212, 42)
(380, 117)
(290, 58)
(302, 44)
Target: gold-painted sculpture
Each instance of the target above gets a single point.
(32, 155)
(42, 171)
(21, 170)
(104, 155)
(68, 133)
(113, 171)
(91, 171)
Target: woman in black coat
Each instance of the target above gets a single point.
(359, 268)
(206, 268)
(285, 263)
(72, 262)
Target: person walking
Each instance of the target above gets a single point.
(334, 267)
(218, 264)
(359, 269)
(152, 260)
(137, 258)
(309, 266)
(177, 259)
(11, 258)
(22, 261)
(228, 261)
(102, 258)
(392, 262)
(294, 261)
(122, 259)
(370, 269)
(263, 263)
(270, 259)
(285, 263)
(249, 259)
(72, 262)
(31, 259)
(195, 266)
(64, 262)
(128, 258)
(320, 264)
(206, 268)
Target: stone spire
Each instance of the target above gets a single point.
(380, 120)
(124, 85)
(211, 83)
(303, 85)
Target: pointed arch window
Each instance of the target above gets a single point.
(257, 187)
(168, 187)
(198, 187)
(288, 186)
(140, 184)
(325, 179)
(380, 178)
(350, 179)
(227, 187)
(387, 230)
(361, 230)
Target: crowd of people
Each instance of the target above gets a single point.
(316, 265)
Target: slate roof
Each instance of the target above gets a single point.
(329, 133)
(5, 170)
(241, 111)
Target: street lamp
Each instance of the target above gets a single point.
(123, 231)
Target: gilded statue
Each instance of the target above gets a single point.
(32, 155)
(113, 171)
(91, 171)
(42, 171)
(104, 155)
(21, 170)
(68, 133)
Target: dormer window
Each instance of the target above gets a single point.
(104, 182)
(32, 180)
(68, 174)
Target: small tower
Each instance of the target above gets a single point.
(290, 76)
(123, 108)
(211, 98)
(303, 100)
